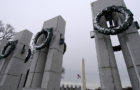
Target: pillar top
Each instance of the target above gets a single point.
(57, 23)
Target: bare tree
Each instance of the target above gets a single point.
(6, 31)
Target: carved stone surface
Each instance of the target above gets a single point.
(130, 45)
(13, 70)
(45, 71)
(130, 41)
(108, 70)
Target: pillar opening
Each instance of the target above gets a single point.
(114, 40)
(110, 20)
(121, 63)
(122, 69)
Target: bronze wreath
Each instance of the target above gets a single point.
(48, 34)
(62, 42)
(117, 29)
(65, 48)
(5, 53)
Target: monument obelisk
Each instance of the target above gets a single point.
(83, 75)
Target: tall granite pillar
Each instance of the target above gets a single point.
(14, 64)
(45, 71)
(53, 67)
(130, 49)
(126, 39)
(108, 71)
(34, 78)
(130, 41)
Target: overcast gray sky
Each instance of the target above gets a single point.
(30, 14)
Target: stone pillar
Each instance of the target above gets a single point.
(130, 41)
(34, 79)
(15, 66)
(132, 71)
(53, 67)
(108, 71)
(45, 71)
(125, 39)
